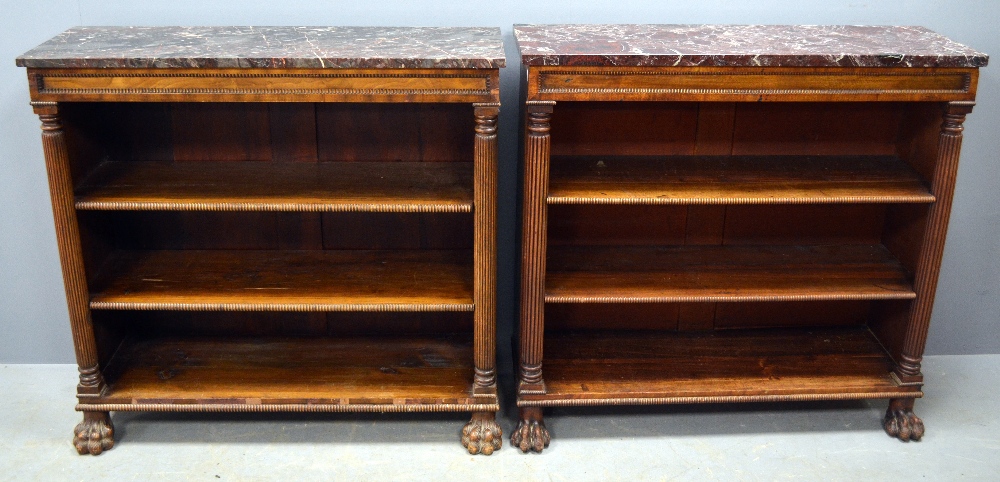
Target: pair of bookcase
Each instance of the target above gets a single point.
(253, 230)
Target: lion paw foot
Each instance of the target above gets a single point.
(903, 424)
(95, 434)
(530, 435)
(482, 435)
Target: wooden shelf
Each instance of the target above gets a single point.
(734, 180)
(615, 274)
(416, 280)
(609, 368)
(273, 186)
(296, 374)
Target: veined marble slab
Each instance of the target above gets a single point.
(270, 47)
(741, 46)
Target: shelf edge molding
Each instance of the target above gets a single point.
(390, 187)
(289, 407)
(529, 401)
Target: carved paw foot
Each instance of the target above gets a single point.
(482, 435)
(94, 434)
(530, 433)
(900, 422)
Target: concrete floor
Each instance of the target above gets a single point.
(805, 441)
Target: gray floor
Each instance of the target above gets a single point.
(807, 441)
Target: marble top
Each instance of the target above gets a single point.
(270, 47)
(741, 46)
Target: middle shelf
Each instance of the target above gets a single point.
(734, 180)
(661, 274)
(278, 186)
(286, 280)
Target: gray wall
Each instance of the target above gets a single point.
(32, 305)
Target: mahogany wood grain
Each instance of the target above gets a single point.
(611, 317)
(485, 256)
(218, 202)
(919, 135)
(715, 129)
(929, 264)
(888, 321)
(734, 180)
(166, 323)
(566, 317)
(394, 132)
(286, 281)
(797, 314)
(617, 224)
(804, 224)
(71, 257)
(733, 365)
(706, 224)
(265, 85)
(750, 84)
(301, 370)
(624, 129)
(814, 129)
(266, 186)
(84, 137)
(221, 132)
(293, 132)
(354, 230)
(533, 245)
(723, 273)
(184, 230)
(804, 207)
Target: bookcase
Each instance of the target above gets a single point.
(733, 213)
(275, 219)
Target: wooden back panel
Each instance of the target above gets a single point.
(281, 132)
(147, 230)
(723, 128)
(222, 323)
(394, 132)
(562, 317)
(624, 128)
(267, 132)
(735, 225)
(864, 128)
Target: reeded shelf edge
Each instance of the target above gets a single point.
(722, 366)
(335, 186)
(907, 295)
(662, 274)
(289, 407)
(725, 200)
(787, 179)
(557, 401)
(377, 307)
(456, 207)
(286, 280)
(288, 373)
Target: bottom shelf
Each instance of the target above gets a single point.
(602, 368)
(293, 374)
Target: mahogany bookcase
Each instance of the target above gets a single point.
(275, 219)
(733, 213)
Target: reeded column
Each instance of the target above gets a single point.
(70, 252)
(929, 265)
(96, 433)
(483, 435)
(530, 433)
(485, 245)
(533, 241)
